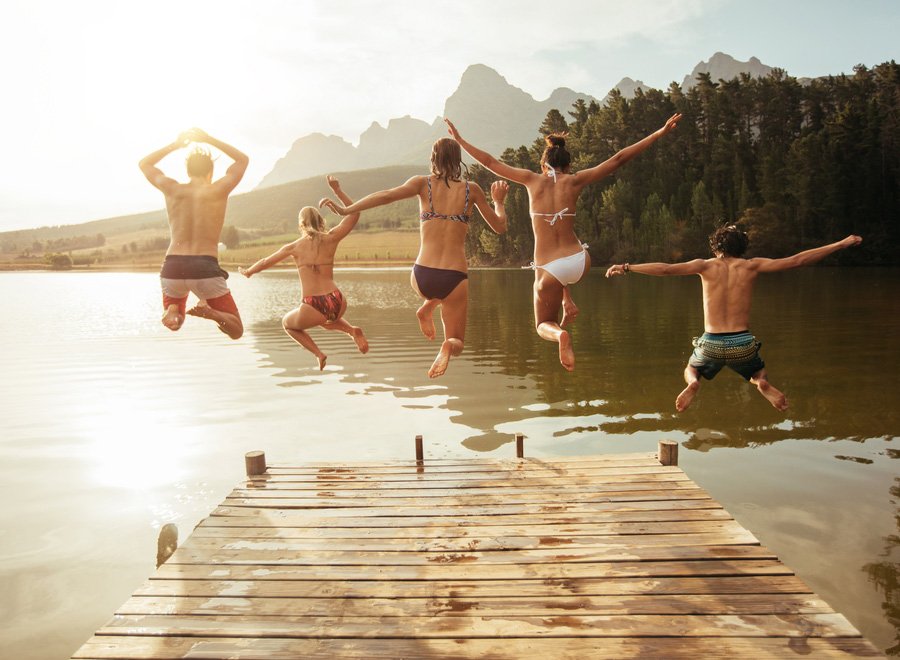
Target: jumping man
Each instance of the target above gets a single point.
(196, 211)
(728, 280)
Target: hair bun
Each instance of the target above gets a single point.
(556, 140)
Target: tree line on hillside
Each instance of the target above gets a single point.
(794, 165)
(55, 245)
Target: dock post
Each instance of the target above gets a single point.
(255, 462)
(668, 452)
(520, 445)
(420, 454)
(166, 543)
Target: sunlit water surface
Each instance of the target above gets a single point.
(114, 426)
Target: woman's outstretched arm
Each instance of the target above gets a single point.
(498, 167)
(349, 222)
(607, 167)
(280, 254)
(409, 189)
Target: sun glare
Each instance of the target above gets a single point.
(128, 450)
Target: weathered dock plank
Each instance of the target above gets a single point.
(611, 556)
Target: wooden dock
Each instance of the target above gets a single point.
(612, 556)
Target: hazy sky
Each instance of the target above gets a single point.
(92, 86)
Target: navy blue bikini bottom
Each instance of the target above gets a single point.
(437, 282)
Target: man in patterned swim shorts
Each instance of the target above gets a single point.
(728, 280)
(196, 213)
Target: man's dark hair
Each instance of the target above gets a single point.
(729, 241)
(199, 162)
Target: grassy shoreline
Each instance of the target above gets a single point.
(231, 267)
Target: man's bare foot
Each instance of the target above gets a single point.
(683, 400)
(439, 366)
(774, 396)
(204, 311)
(227, 323)
(425, 314)
(570, 312)
(173, 319)
(361, 342)
(321, 359)
(566, 352)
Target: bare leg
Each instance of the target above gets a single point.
(228, 323)
(692, 378)
(773, 395)
(173, 319)
(425, 315)
(548, 296)
(570, 309)
(356, 333)
(453, 317)
(296, 322)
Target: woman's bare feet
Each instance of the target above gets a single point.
(570, 311)
(683, 400)
(425, 315)
(321, 359)
(449, 348)
(173, 319)
(566, 352)
(360, 338)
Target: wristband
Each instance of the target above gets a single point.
(626, 268)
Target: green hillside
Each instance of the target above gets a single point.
(260, 212)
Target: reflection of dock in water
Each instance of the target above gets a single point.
(603, 556)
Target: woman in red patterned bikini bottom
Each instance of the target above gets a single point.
(323, 304)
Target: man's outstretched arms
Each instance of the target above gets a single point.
(693, 267)
(804, 258)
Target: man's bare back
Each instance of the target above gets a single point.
(196, 215)
(727, 293)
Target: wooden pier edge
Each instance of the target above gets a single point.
(609, 556)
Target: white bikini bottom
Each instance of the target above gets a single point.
(567, 270)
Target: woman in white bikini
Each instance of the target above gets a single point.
(440, 274)
(322, 304)
(560, 259)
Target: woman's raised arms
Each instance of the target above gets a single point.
(496, 216)
(498, 167)
(610, 165)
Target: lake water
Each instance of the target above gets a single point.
(114, 426)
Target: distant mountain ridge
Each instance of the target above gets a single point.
(493, 113)
(484, 104)
(725, 67)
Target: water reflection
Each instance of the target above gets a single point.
(115, 426)
(885, 574)
(826, 343)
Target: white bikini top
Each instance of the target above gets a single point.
(554, 217)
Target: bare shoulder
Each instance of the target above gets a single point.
(754, 263)
(474, 187)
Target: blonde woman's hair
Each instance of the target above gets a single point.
(446, 160)
(311, 222)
